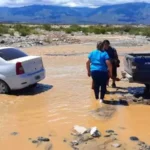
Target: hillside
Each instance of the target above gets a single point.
(128, 13)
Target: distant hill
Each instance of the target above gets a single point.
(128, 13)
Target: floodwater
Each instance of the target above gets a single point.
(62, 100)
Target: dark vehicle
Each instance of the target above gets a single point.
(137, 69)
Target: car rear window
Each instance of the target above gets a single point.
(11, 53)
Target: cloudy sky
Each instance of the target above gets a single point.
(72, 3)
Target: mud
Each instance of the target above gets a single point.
(64, 99)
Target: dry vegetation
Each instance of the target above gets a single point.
(25, 30)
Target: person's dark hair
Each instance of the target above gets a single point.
(106, 42)
(100, 45)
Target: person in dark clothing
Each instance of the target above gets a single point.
(98, 65)
(112, 53)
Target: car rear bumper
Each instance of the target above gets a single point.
(25, 80)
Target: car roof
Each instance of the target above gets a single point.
(2, 48)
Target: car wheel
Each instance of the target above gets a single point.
(4, 89)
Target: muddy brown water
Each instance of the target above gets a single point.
(62, 100)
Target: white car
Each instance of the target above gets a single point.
(19, 70)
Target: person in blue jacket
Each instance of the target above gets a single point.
(100, 69)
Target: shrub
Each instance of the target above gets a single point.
(24, 30)
(4, 29)
(68, 31)
(126, 28)
(47, 27)
(146, 32)
(11, 33)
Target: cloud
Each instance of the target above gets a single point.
(72, 3)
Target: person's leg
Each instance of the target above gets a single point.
(114, 74)
(104, 85)
(95, 77)
(92, 85)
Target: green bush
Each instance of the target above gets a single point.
(146, 32)
(24, 30)
(126, 29)
(11, 33)
(68, 31)
(47, 27)
(4, 29)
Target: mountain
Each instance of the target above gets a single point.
(134, 13)
(128, 13)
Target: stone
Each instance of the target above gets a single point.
(110, 131)
(116, 145)
(134, 138)
(80, 129)
(75, 148)
(140, 99)
(113, 138)
(86, 137)
(88, 130)
(107, 135)
(42, 139)
(14, 133)
(94, 132)
(74, 143)
(35, 141)
(64, 140)
(140, 143)
(2, 41)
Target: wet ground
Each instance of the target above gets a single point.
(65, 99)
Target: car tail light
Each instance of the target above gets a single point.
(19, 69)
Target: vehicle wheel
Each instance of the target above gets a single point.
(4, 89)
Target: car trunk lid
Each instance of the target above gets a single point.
(30, 64)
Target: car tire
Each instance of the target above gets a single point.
(4, 88)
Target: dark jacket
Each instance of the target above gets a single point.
(112, 53)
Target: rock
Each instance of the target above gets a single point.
(110, 131)
(116, 145)
(86, 137)
(94, 132)
(74, 143)
(80, 129)
(42, 139)
(35, 141)
(107, 135)
(140, 99)
(30, 139)
(146, 102)
(2, 41)
(141, 143)
(64, 140)
(88, 130)
(133, 138)
(49, 146)
(113, 138)
(75, 148)
(14, 133)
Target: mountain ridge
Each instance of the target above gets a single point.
(127, 13)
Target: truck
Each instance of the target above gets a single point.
(137, 69)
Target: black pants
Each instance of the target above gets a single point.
(100, 81)
(114, 70)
